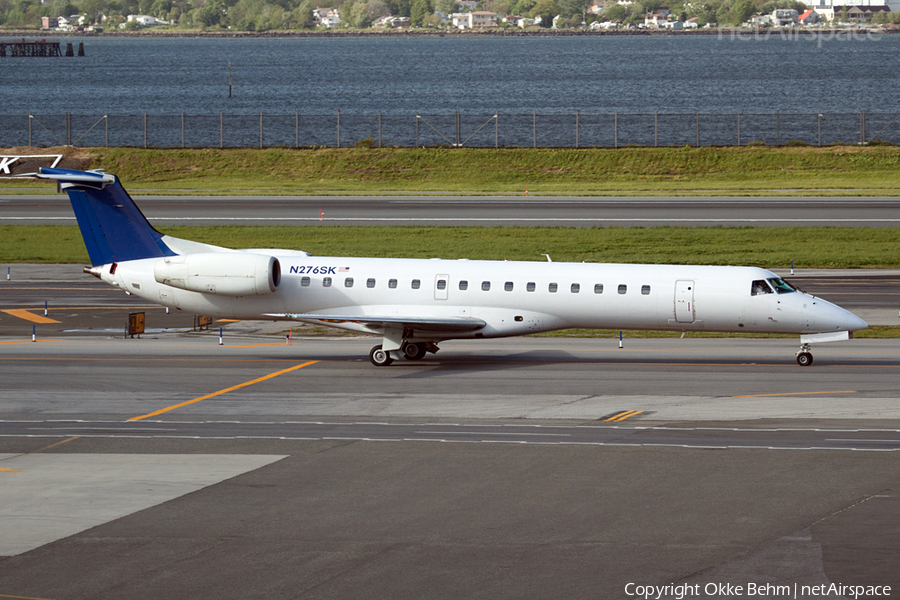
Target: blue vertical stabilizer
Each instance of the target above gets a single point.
(113, 227)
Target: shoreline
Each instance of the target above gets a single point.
(505, 32)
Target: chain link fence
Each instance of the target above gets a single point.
(577, 130)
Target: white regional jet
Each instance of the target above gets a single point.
(415, 304)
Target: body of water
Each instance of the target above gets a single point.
(476, 75)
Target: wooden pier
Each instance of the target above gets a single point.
(23, 48)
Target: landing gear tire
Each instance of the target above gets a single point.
(379, 357)
(414, 350)
(804, 359)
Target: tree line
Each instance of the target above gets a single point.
(287, 15)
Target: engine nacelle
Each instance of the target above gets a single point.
(222, 273)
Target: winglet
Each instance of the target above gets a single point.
(113, 227)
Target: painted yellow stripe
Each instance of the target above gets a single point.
(23, 313)
(624, 415)
(258, 345)
(225, 391)
(28, 341)
(55, 444)
(23, 597)
(228, 320)
(796, 394)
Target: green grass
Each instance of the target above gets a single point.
(755, 170)
(771, 247)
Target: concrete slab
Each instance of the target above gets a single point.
(46, 497)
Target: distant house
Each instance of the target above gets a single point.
(326, 17)
(673, 25)
(809, 17)
(390, 22)
(469, 5)
(658, 19)
(784, 17)
(144, 21)
(863, 14)
(479, 19)
(760, 20)
(49, 22)
(692, 23)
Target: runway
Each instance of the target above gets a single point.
(529, 468)
(769, 211)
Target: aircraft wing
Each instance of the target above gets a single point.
(421, 323)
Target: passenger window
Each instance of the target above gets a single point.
(623, 289)
(442, 284)
(760, 287)
(416, 283)
(392, 283)
(486, 286)
(304, 281)
(326, 282)
(348, 282)
(552, 288)
(529, 287)
(463, 284)
(370, 282)
(598, 288)
(508, 286)
(576, 287)
(645, 290)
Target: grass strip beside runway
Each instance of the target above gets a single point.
(769, 247)
(742, 170)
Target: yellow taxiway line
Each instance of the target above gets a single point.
(225, 391)
(796, 394)
(23, 313)
(624, 415)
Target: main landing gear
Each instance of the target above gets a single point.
(804, 357)
(410, 350)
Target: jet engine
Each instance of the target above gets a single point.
(222, 273)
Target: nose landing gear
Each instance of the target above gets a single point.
(804, 357)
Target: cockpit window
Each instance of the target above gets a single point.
(759, 287)
(781, 286)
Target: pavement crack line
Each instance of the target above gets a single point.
(53, 445)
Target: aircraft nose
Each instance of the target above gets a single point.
(854, 323)
(826, 316)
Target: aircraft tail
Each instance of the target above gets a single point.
(113, 227)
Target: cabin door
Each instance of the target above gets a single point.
(441, 283)
(684, 301)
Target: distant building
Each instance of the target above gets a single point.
(809, 17)
(327, 17)
(49, 22)
(784, 17)
(144, 21)
(828, 8)
(479, 19)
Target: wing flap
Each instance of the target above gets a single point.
(421, 323)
